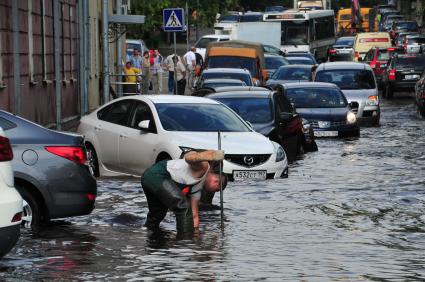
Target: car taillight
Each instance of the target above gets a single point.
(332, 51)
(356, 56)
(17, 217)
(373, 64)
(91, 197)
(391, 75)
(6, 153)
(75, 154)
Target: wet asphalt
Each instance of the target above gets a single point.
(353, 211)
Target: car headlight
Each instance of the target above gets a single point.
(372, 100)
(351, 118)
(280, 154)
(306, 125)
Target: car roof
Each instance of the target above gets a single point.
(226, 70)
(212, 80)
(169, 98)
(272, 55)
(296, 66)
(299, 58)
(346, 37)
(308, 84)
(216, 36)
(342, 65)
(239, 88)
(415, 35)
(264, 93)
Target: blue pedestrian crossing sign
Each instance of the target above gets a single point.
(173, 19)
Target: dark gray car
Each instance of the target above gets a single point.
(50, 171)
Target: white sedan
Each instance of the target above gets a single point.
(130, 134)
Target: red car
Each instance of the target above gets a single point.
(378, 58)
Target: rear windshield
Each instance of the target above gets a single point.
(316, 97)
(383, 55)
(416, 40)
(254, 110)
(345, 41)
(410, 62)
(275, 62)
(233, 62)
(292, 74)
(239, 76)
(348, 79)
(407, 25)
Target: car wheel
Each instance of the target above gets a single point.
(92, 160)
(390, 92)
(32, 215)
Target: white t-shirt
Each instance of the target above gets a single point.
(190, 58)
(181, 173)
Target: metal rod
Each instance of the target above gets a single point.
(221, 185)
(175, 63)
(57, 44)
(16, 59)
(105, 51)
(119, 49)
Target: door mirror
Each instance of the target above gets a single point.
(144, 125)
(285, 116)
(294, 109)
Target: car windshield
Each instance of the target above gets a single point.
(254, 110)
(203, 42)
(345, 41)
(416, 62)
(310, 97)
(199, 118)
(300, 61)
(230, 18)
(347, 79)
(240, 76)
(292, 73)
(273, 63)
(252, 18)
(233, 62)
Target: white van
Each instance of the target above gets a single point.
(366, 40)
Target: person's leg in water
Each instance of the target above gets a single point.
(163, 194)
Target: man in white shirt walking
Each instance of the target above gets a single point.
(190, 59)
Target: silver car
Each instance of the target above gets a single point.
(358, 83)
(412, 43)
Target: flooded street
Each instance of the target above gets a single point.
(353, 211)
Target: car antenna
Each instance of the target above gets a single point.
(221, 185)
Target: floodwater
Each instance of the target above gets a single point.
(353, 211)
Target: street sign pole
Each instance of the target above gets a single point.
(173, 21)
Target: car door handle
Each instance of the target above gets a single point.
(123, 135)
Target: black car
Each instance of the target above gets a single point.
(299, 54)
(420, 94)
(325, 107)
(402, 73)
(273, 62)
(270, 114)
(290, 73)
(50, 170)
(342, 50)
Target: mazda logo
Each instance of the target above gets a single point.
(248, 160)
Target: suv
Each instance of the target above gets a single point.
(377, 58)
(10, 200)
(402, 73)
(357, 82)
(399, 26)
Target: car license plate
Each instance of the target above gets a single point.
(325, 133)
(249, 174)
(411, 76)
(343, 51)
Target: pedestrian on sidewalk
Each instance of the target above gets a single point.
(146, 73)
(169, 65)
(131, 79)
(136, 59)
(180, 75)
(190, 59)
(156, 72)
(177, 185)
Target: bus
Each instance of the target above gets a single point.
(306, 30)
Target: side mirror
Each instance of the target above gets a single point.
(285, 116)
(294, 109)
(144, 125)
(257, 83)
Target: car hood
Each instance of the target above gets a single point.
(263, 128)
(231, 142)
(358, 94)
(330, 114)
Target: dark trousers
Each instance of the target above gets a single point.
(181, 86)
(170, 82)
(163, 194)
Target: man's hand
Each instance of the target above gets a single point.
(218, 155)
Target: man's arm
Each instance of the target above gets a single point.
(198, 161)
(195, 212)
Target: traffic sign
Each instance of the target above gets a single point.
(173, 19)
